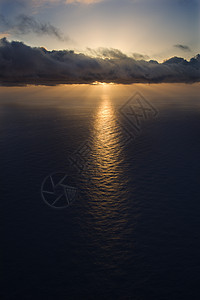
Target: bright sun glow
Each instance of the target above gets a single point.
(102, 83)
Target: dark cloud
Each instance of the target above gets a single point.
(182, 47)
(21, 64)
(24, 24)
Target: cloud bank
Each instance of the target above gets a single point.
(21, 64)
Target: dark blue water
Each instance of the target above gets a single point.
(133, 231)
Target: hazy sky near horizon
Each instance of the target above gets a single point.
(157, 29)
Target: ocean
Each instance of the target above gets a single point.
(100, 191)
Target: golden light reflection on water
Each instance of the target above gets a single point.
(107, 189)
(106, 151)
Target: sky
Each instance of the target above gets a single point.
(149, 29)
(86, 41)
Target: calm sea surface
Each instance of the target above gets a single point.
(132, 154)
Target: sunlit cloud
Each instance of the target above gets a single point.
(83, 1)
(106, 53)
(139, 56)
(37, 3)
(4, 34)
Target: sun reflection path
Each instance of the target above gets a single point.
(106, 151)
(107, 209)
